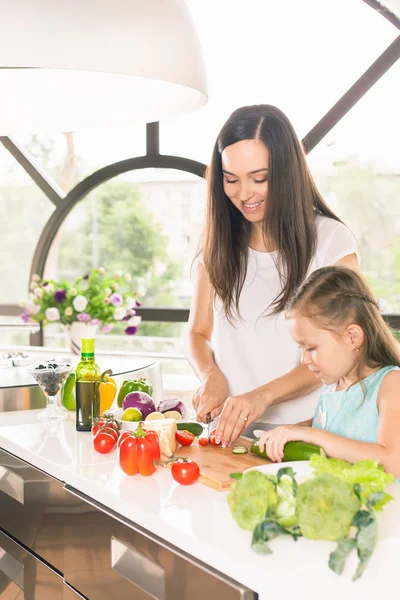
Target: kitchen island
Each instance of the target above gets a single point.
(188, 532)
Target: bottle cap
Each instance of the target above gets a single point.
(87, 347)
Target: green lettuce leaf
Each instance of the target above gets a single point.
(368, 473)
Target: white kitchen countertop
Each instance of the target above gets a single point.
(197, 519)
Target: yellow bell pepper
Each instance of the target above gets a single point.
(107, 390)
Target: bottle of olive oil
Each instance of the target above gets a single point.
(87, 387)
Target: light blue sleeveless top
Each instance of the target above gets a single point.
(347, 412)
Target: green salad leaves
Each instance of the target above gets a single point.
(337, 504)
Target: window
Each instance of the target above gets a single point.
(357, 167)
(299, 56)
(24, 211)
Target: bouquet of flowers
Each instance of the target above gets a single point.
(95, 298)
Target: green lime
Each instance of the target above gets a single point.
(132, 414)
(68, 399)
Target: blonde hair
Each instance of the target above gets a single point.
(334, 297)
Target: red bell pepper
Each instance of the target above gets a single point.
(139, 452)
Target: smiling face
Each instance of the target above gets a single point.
(245, 171)
(330, 356)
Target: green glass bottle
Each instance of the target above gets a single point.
(87, 387)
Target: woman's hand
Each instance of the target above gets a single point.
(274, 440)
(238, 412)
(211, 395)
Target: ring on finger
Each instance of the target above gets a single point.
(244, 418)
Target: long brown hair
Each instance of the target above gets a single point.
(293, 203)
(335, 297)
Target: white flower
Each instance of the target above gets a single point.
(128, 277)
(101, 270)
(141, 290)
(36, 277)
(32, 308)
(130, 303)
(107, 301)
(134, 321)
(108, 291)
(38, 292)
(115, 286)
(80, 303)
(118, 274)
(49, 288)
(33, 285)
(73, 292)
(68, 311)
(52, 314)
(119, 313)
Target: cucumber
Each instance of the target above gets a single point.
(195, 428)
(239, 450)
(292, 451)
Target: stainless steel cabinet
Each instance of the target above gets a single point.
(24, 577)
(32, 506)
(107, 558)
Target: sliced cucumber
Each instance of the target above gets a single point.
(239, 450)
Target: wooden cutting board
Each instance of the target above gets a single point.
(217, 463)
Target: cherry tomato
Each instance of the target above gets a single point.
(109, 427)
(185, 471)
(203, 441)
(104, 442)
(184, 438)
(212, 439)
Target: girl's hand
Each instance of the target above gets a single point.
(210, 396)
(238, 412)
(274, 441)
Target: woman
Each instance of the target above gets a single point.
(267, 228)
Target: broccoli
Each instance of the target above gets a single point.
(250, 497)
(326, 507)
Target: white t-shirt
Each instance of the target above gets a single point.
(258, 349)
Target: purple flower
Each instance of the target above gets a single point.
(116, 299)
(131, 330)
(106, 328)
(127, 317)
(44, 283)
(25, 317)
(60, 296)
(84, 317)
(132, 312)
(95, 322)
(86, 276)
(138, 303)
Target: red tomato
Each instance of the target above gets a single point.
(104, 442)
(184, 438)
(105, 427)
(212, 439)
(185, 472)
(203, 441)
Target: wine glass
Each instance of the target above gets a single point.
(50, 377)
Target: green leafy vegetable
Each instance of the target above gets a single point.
(366, 538)
(250, 497)
(286, 488)
(337, 558)
(326, 506)
(368, 473)
(267, 530)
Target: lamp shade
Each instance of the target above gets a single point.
(88, 63)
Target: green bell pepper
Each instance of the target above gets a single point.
(133, 385)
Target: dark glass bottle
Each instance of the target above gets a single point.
(87, 387)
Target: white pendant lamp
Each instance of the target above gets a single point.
(72, 64)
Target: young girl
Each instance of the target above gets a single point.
(346, 343)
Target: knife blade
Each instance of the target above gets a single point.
(208, 423)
